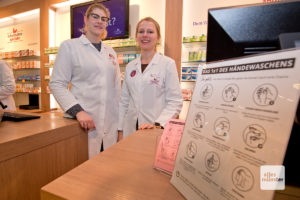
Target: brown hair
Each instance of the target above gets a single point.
(90, 10)
(149, 19)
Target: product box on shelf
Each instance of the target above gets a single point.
(186, 77)
(186, 70)
(194, 77)
(20, 53)
(50, 64)
(126, 58)
(26, 64)
(195, 70)
(189, 73)
(187, 94)
(51, 50)
(194, 38)
(120, 58)
(120, 42)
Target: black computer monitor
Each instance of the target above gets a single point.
(250, 29)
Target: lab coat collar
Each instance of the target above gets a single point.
(154, 61)
(86, 41)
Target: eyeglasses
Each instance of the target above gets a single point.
(96, 17)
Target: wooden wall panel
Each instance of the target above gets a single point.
(173, 31)
(24, 6)
(23, 176)
(19, 7)
(44, 43)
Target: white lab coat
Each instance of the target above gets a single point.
(95, 79)
(7, 86)
(151, 96)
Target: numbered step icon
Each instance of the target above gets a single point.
(199, 120)
(191, 149)
(212, 161)
(230, 92)
(242, 179)
(222, 127)
(265, 95)
(206, 91)
(255, 136)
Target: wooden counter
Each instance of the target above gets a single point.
(123, 171)
(35, 152)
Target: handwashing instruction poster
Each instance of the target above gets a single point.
(240, 118)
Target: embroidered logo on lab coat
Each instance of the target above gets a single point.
(133, 73)
(112, 58)
(154, 79)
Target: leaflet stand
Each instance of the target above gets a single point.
(167, 146)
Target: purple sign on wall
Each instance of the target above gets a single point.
(117, 25)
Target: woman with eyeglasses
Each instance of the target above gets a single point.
(151, 93)
(93, 71)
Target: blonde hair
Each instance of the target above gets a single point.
(90, 10)
(149, 19)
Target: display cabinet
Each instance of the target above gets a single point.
(193, 57)
(125, 55)
(26, 69)
(126, 50)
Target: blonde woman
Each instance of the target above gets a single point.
(151, 92)
(92, 69)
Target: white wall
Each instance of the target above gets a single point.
(62, 27)
(195, 13)
(147, 8)
(27, 36)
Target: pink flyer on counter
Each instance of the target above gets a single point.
(168, 145)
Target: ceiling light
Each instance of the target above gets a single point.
(25, 14)
(5, 19)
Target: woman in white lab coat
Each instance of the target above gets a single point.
(93, 71)
(151, 92)
(7, 86)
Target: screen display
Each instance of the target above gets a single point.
(117, 25)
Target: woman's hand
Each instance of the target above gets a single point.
(146, 126)
(120, 136)
(85, 120)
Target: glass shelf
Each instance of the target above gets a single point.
(126, 49)
(28, 92)
(27, 80)
(26, 68)
(196, 61)
(194, 44)
(53, 53)
(192, 81)
(22, 58)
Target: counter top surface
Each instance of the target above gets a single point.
(17, 138)
(14, 130)
(123, 171)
